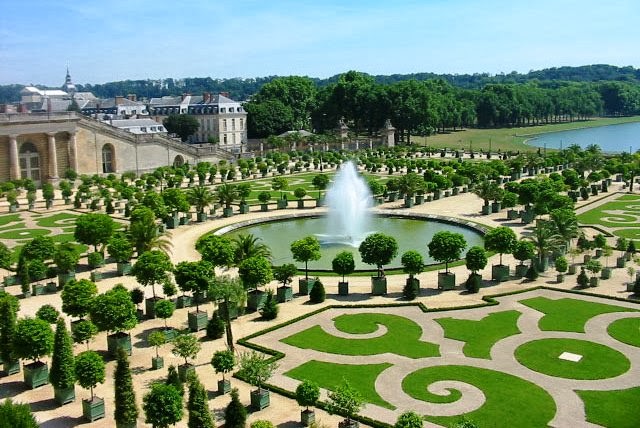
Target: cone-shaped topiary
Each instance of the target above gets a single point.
(235, 415)
(198, 405)
(270, 309)
(173, 379)
(532, 272)
(62, 374)
(317, 294)
(215, 326)
(126, 410)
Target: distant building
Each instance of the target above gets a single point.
(138, 126)
(115, 108)
(221, 119)
(38, 100)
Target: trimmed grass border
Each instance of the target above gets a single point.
(626, 330)
(612, 408)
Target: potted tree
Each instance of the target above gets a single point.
(195, 277)
(343, 264)
(607, 251)
(163, 405)
(115, 312)
(582, 279)
(62, 374)
(137, 297)
(284, 274)
(503, 240)
(228, 291)
(90, 371)
(446, 247)
(476, 259)
(185, 346)
(121, 250)
(561, 266)
(200, 197)
(164, 309)
(280, 184)
(254, 272)
(593, 266)
(300, 193)
(320, 182)
(156, 339)
(152, 268)
(223, 362)
(9, 306)
(95, 260)
(305, 250)
(378, 249)
(256, 369)
(33, 339)
(599, 242)
(307, 394)
(523, 250)
(244, 191)
(227, 194)
(264, 198)
(346, 401)
(413, 264)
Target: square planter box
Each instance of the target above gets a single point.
(232, 310)
(500, 272)
(244, 208)
(621, 262)
(224, 386)
(52, 287)
(300, 203)
(408, 202)
(96, 276)
(419, 199)
(184, 220)
(282, 204)
(305, 286)
(36, 374)
(486, 209)
(572, 269)
(197, 320)
(227, 212)
(92, 410)
(256, 300)
(184, 370)
(183, 302)
(521, 270)
(560, 278)
(123, 268)
(307, 417)
(10, 280)
(343, 288)
(446, 281)
(264, 207)
(285, 294)
(169, 334)
(37, 289)
(157, 363)
(119, 340)
(201, 217)
(65, 395)
(594, 281)
(378, 286)
(348, 424)
(63, 278)
(512, 214)
(260, 399)
(606, 273)
(150, 306)
(11, 367)
(172, 222)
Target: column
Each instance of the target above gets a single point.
(73, 152)
(14, 164)
(53, 157)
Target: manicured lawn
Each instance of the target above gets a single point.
(329, 376)
(8, 218)
(568, 314)
(615, 409)
(510, 401)
(58, 220)
(598, 361)
(24, 233)
(480, 336)
(402, 337)
(13, 226)
(626, 330)
(621, 212)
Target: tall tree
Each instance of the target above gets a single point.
(198, 405)
(183, 125)
(126, 409)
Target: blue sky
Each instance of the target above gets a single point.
(137, 39)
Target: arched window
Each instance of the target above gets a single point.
(108, 159)
(29, 160)
(178, 161)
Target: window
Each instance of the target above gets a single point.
(224, 124)
(222, 110)
(225, 139)
(107, 159)
(241, 124)
(233, 124)
(230, 109)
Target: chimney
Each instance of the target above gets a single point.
(119, 100)
(132, 97)
(206, 97)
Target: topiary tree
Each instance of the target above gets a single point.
(48, 313)
(156, 339)
(126, 410)
(307, 394)
(476, 259)
(409, 419)
(120, 248)
(223, 362)
(230, 292)
(532, 273)
(256, 368)
(582, 279)
(94, 229)
(343, 264)
(300, 193)
(285, 273)
(186, 346)
(83, 331)
(164, 309)
(152, 268)
(317, 294)
(33, 339)
(198, 405)
(90, 371)
(215, 326)
(254, 272)
(77, 296)
(305, 250)
(270, 308)
(413, 264)
(62, 374)
(523, 250)
(501, 239)
(217, 250)
(346, 401)
(235, 414)
(66, 257)
(194, 277)
(378, 249)
(446, 247)
(9, 307)
(162, 406)
(16, 415)
(114, 311)
(173, 379)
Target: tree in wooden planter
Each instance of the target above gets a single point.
(486, 190)
(244, 191)
(255, 272)
(77, 297)
(125, 409)
(137, 297)
(33, 339)
(9, 307)
(173, 379)
(284, 274)
(476, 259)
(62, 374)
(413, 264)
(343, 264)
(320, 182)
(198, 405)
(223, 362)
(32, 270)
(194, 277)
(607, 251)
(599, 242)
(523, 250)
(582, 279)
(546, 240)
(378, 249)
(162, 406)
(446, 247)
(66, 259)
(305, 250)
(307, 394)
(121, 250)
(280, 184)
(257, 368)
(317, 295)
(246, 246)
(48, 313)
(94, 229)
(593, 266)
(152, 268)
(175, 200)
(264, 198)
(164, 309)
(200, 197)
(346, 401)
(230, 293)
(502, 240)
(185, 346)
(561, 266)
(156, 339)
(235, 414)
(115, 312)
(300, 193)
(226, 195)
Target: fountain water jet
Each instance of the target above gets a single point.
(349, 201)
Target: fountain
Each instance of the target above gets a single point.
(349, 201)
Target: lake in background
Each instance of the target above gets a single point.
(612, 138)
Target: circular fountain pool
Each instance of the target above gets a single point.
(411, 232)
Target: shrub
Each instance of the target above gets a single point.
(126, 410)
(95, 259)
(162, 405)
(215, 326)
(532, 272)
(48, 313)
(16, 415)
(582, 279)
(33, 339)
(173, 379)
(317, 294)
(262, 424)
(270, 309)
(235, 415)
(409, 420)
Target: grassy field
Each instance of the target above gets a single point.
(626, 330)
(506, 139)
(620, 216)
(607, 408)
